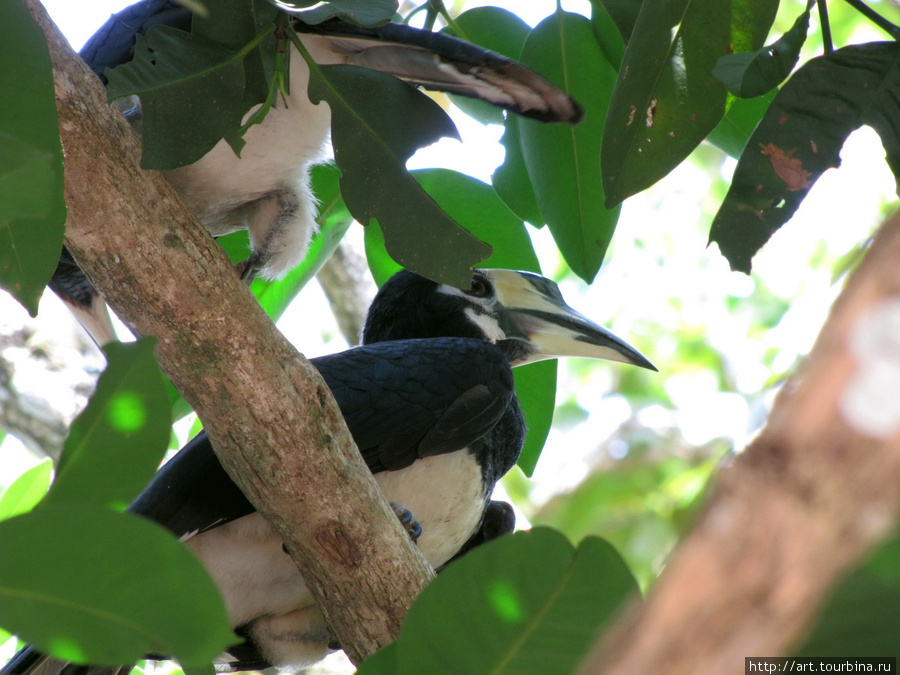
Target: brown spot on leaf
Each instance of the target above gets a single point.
(783, 119)
(651, 112)
(789, 168)
(813, 146)
(632, 109)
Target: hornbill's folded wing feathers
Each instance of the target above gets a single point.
(402, 401)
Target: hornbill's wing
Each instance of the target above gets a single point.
(401, 400)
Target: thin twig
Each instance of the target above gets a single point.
(876, 18)
(827, 44)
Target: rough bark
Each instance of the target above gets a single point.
(807, 499)
(273, 421)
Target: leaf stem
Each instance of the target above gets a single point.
(827, 43)
(875, 17)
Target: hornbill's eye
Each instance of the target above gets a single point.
(481, 287)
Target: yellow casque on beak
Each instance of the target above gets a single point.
(531, 309)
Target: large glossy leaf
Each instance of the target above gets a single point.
(525, 603)
(536, 389)
(562, 160)
(800, 137)
(624, 14)
(505, 33)
(754, 73)
(191, 90)
(117, 442)
(608, 34)
(665, 99)
(24, 493)
(861, 616)
(371, 150)
(85, 584)
(32, 210)
(511, 180)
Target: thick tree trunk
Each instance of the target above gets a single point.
(806, 500)
(273, 421)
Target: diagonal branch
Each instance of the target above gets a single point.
(804, 502)
(275, 425)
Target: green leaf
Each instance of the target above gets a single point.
(191, 92)
(359, 12)
(26, 491)
(562, 160)
(665, 100)
(496, 29)
(382, 662)
(751, 21)
(371, 150)
(381, 265)
(524, 603)
(32, 210)
(88, 585)
(117, 442)
(511, 180)
(734, 130)
(536, 389)
(477, 208)
(234, 25)
(755, 73)
(801, 136)
(624, 14)
(608, 35)
(863, 611)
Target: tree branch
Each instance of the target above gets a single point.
(270, 416)
(809, 497)
(345, 283)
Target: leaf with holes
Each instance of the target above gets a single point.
(800, 137)
(192, 94)
(665, 100)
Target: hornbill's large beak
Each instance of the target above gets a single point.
(540, 325)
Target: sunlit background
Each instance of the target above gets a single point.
(631, 451)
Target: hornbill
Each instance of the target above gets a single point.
(430, 402)
(266, 191)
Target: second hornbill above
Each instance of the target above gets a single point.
(266, 191)
(430, 402)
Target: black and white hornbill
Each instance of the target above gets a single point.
(430, 402)
(266, 191)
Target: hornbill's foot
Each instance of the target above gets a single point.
(410, 524)
(248, 269)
